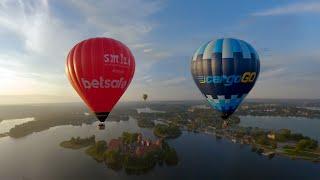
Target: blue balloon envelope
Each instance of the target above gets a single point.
(225, 70)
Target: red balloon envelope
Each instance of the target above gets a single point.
(100, 70)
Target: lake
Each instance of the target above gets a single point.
(202, 156)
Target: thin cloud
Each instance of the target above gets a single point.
(306, 7)
(274, 73)
(173, 81)
(44, 39)
(147, 50)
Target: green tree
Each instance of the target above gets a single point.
(100, 146)
(306, 144)
(262, 140)
(129, 137)
(171, 157)
(283, 135)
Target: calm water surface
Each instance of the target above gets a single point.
(39, 156)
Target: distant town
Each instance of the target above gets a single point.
(279, 109)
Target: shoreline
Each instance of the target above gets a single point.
(266, 151)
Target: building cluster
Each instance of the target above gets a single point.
(138, 148)
(233, 135)
(271, 135)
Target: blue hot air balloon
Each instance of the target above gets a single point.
(225, 70)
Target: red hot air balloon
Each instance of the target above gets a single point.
(100, 70)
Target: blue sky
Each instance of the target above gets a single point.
(37, 35)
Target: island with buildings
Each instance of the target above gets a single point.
(132, 152)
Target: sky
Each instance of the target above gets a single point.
(36, 36)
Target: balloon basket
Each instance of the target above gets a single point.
(101, 126)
